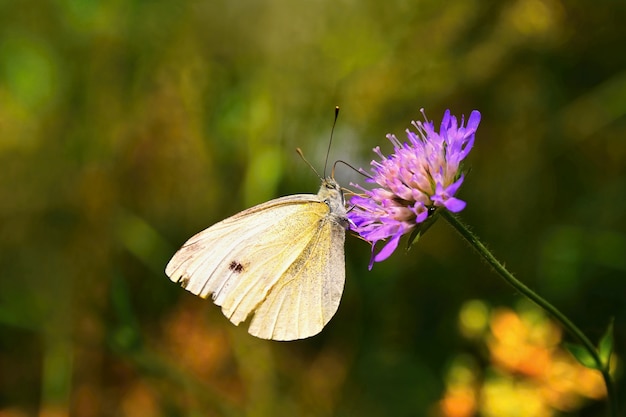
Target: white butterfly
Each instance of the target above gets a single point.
(282, 260)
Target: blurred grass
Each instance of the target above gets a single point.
(127, 126)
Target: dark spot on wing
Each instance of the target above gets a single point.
(235, 267)
(184, 281)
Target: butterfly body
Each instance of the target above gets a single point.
(282, 261)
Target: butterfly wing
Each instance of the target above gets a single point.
(271, 259)
(307, 295)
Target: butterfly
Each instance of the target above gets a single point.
(281, 261)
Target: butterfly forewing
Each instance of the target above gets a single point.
(266, 257)
(282, 260)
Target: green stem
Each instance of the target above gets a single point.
(530, 294)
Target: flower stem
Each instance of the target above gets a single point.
(473, 240)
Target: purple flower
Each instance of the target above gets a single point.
(422, 174)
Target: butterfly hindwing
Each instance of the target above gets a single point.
(308, 293)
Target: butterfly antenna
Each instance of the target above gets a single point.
(358, 171)
(330, 142)
(307, 162)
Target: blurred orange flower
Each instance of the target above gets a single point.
(529, 373)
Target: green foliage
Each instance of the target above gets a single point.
(605, 347)
(604, 351)
(582, 355)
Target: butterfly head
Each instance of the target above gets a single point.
(330, 193)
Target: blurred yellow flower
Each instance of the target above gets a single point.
(504, 395)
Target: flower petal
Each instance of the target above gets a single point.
(454, 204)
(388, 249)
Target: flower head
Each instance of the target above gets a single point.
(421, 175)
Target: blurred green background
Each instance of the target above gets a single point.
(127, 126)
